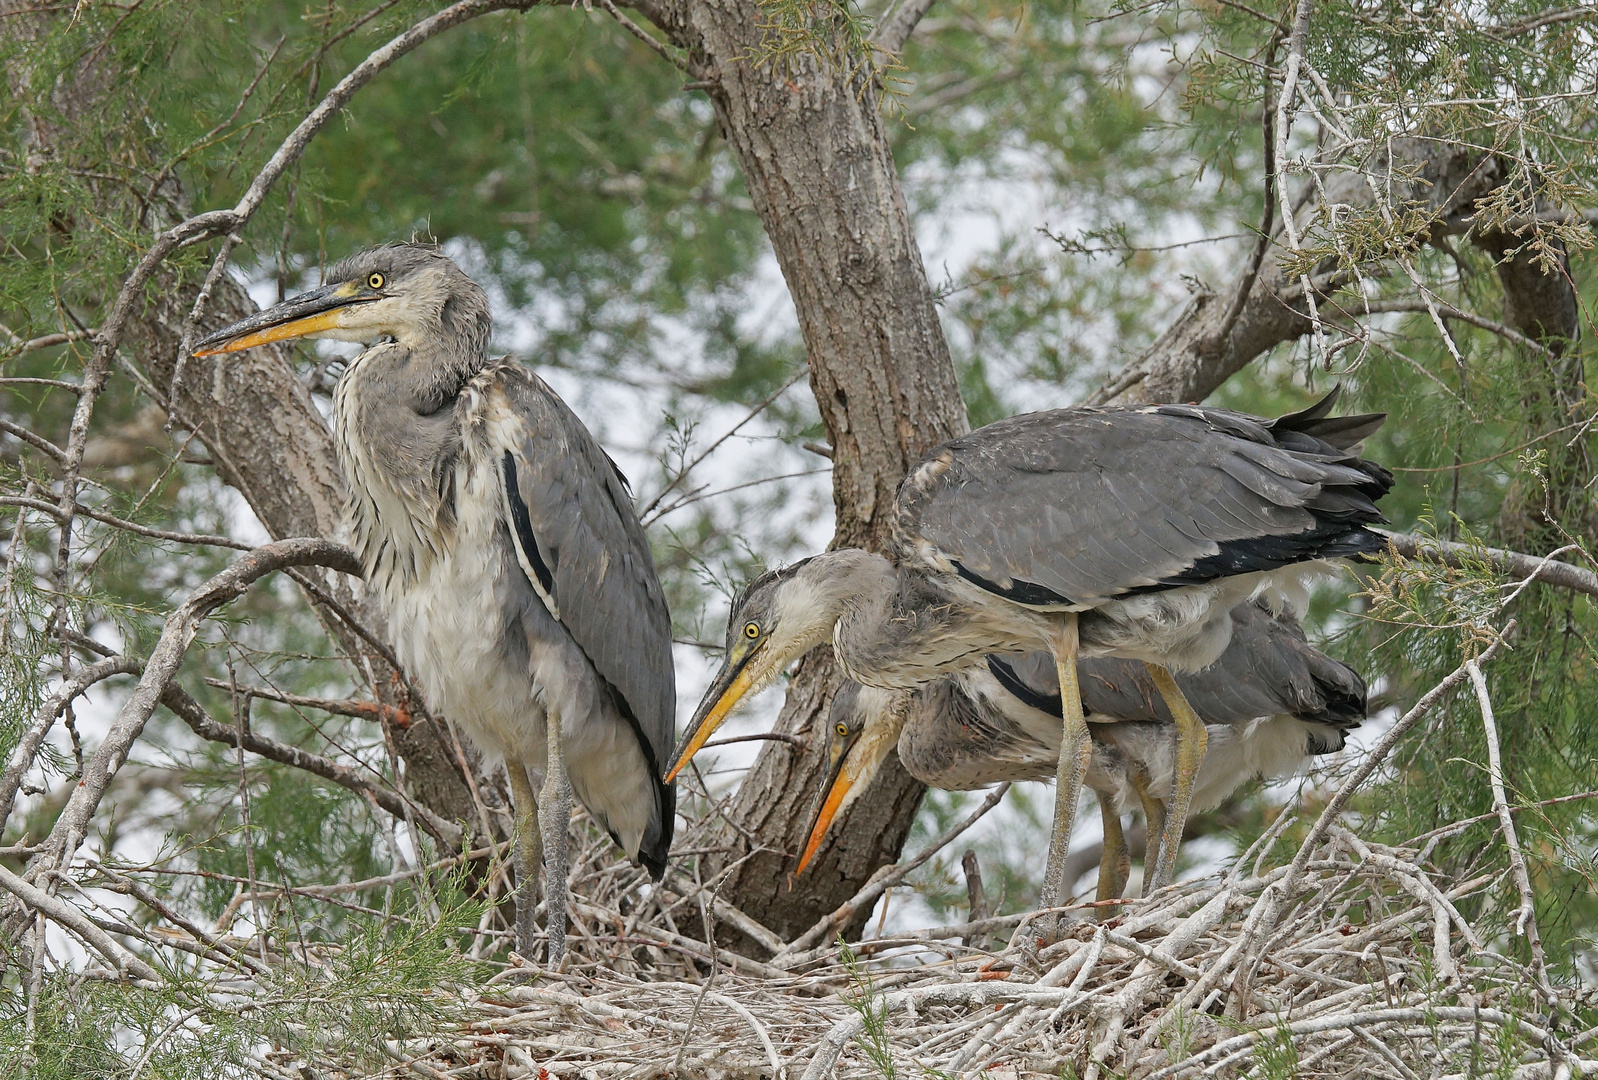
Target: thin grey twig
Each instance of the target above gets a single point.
(1526, 915)
(707, 451)
(887, 878)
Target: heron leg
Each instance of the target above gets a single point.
(1115, 866)
(1153, 817)
(1076, 749)
(554, 820)
(529, 853)
(1191, 739)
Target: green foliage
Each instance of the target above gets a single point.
(1108, 156)
(381, 981)
(1277, 1055)
(873, 1012)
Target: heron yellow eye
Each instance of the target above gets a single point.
(842, 729)
(751, 630)
(375, 281)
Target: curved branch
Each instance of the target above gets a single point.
(70, 918)
(179, 631)
(45, 718)
(292, 147)
(122, 523)
(895, 33)
(1438, 186)
(200, 722)
(1514, 564)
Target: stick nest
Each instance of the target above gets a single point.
(1352, 961)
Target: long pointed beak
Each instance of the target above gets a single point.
(840, 781)
(300, 316)
(731, 684)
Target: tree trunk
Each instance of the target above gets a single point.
(817, 164)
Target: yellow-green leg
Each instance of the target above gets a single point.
(1115, 866)
(1191, 740)
(1153, 819)
(1076, 748)
(528, 857)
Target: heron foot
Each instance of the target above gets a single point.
(1153, 820)
(1076, 751)
(1115, 865)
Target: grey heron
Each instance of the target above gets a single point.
(1127, 532)
(505, 551)
(1269, 703)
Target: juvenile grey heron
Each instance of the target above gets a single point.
(1128, 532)
(506, 554)
(1269, 703)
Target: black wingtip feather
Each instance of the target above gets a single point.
(656, 846)
(1333, 540)
(1026, 593)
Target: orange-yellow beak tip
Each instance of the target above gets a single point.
(818, 832)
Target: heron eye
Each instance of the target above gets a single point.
(842, 729)
(752, 630)
(375, 281)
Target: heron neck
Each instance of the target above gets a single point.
(880, 629)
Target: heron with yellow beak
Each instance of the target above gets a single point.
(505, 552)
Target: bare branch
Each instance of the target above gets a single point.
(44, 719)
(178, 632)
(190, 712)
(1526, 914)
(1438, 185)
(654, 43)
(70, 918)
(361, 710)
(1515, 564)
(37, 441)
(1449, 311)
(130, 526)
(895, 31)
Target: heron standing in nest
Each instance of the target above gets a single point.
(1125, 532)
(1270, 703)
(505, 552)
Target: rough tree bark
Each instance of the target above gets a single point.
(817, 164)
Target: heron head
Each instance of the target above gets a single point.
(407, 292)
(863, 727)
(781, 616)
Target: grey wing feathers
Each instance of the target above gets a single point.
(1076, 506)
(1269, 669)
(588, 546)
